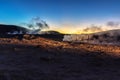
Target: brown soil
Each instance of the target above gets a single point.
(45, 59)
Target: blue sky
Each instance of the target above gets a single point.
(59, 11)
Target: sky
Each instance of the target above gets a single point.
(65, 15)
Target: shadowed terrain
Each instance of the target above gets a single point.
(46, 59)
(5, 29)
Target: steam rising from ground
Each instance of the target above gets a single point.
(35, 25)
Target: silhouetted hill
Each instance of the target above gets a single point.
(11, 29)
(50, 32)
(54, 35)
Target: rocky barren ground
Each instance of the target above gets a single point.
(45, 59)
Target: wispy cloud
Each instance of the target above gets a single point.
(113, 24)
(93, 28)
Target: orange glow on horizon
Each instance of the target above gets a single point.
(73, 31)
(76, 30)
(80, 32)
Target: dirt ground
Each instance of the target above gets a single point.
(44, 59)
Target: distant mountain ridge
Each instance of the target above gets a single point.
(50, 32)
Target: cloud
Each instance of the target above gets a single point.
(113, 24)
(93, 28)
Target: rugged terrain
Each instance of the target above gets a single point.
(45, 59)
